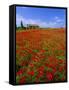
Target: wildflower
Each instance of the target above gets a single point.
(49, 76)
(31, 73)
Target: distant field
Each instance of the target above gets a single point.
(40, 55)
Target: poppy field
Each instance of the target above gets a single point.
(40, 56)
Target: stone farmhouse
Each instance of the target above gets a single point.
(32, 26)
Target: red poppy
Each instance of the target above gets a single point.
(31, 73)
(31, 65)
(35, 59)
(22, 80)
(47, 64)
(54, 70)
(61, 61)
(61, 68)
(40, 74)
(42, 50)
(41, 68)
(17, 51)
(19, 72)
(49, 76)
(62, 78)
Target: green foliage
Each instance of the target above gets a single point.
(17, 79)
(60, 57)
(35, 50)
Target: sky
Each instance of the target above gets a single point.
(44, 17)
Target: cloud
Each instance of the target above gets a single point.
(29, 21)
(58, 19)
(56, 22)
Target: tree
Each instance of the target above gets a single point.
(22, 24)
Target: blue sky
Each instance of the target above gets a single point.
(44, 17)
